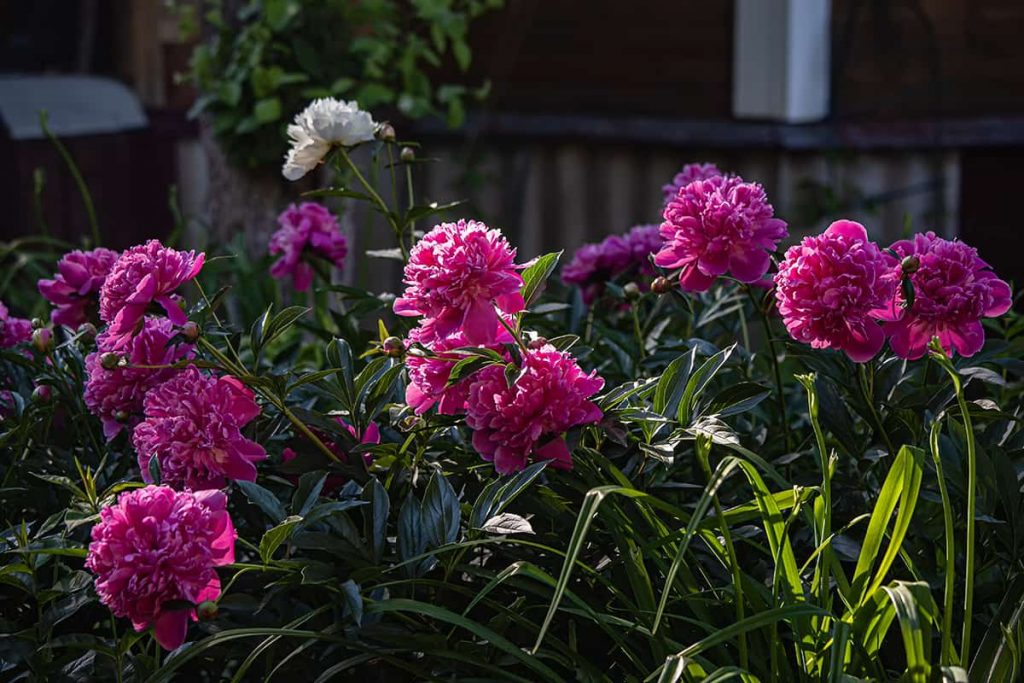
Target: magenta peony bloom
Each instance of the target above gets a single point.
(116, 396)
(428, 376)
(144, 275)
(643, 241)
(157, 548)
(306, 228)
(550, 396)
(455, 277)
(593, 265)
(688, 174)
(833, 289)
(717, 226)
(75, 289)
(13, 331)
(953, 290)
(193, 426)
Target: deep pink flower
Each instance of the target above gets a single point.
(530, 418)
(75, 289)
(688, 174)
(13, 331)
(144, 275)
(593, 265)
(156, 547)
(643, 241)
(308, 228)
(455, 277)
(953, 290)
(193, 426)
(115, 396)
(832, 289)
(428, 376)
(717, 226)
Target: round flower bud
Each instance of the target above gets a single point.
(42, 340)
(631, 291)
(409, 423)
(121, 416)
(910, 264)
(87, 331)
(537, 343)
(42, 394)
(110, 361)
(207, 610)
(386, 132)
(661, 285)
(394, 347)
(407, 154)
(37, 323)
(190, 331)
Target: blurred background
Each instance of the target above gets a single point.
(558, 120)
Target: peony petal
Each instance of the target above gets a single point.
(967, 339)
(748, 264)
(170, 628)
(864, 342)
(557, 451)
(478, 322)
(849, 229)
(692, 279)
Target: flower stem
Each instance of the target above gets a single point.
(381, 204)
(947, 654)
(637, 332)
(868, 391)
(776, 369)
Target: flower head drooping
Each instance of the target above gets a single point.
(193, 427)
(717, 226)
(455, 277)
(115, 394)
(324, 123)
(156, 548)
(953, 290)
(832, 289)
(144, 275)
(75, 289)
(529, 418)
(688, 174)
(308, 228)
(429, 375)
(13, 331)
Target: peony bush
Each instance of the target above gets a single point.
(695, 455)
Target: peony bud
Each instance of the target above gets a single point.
(190, 331)
(910, 264)
(537, 343)
(394, 347)
(110, 361)
(37, 323)
(631, 291)
(87, 331)
(386, 132)
(408, 154)
(42, 340)
(661, 285)
(207, 610)
(42, 394)
(121, 416)
(410, 422)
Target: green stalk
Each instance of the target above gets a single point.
(90, 210)
(824, 525)
(868, 391)
(947, 653)
(776, 369)
(381, 204)
(636, 331)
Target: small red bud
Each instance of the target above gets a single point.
(910, 264)
(394, 347)
(207, 610)
(661, 285)
(42, 394)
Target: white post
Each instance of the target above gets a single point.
(781, 60)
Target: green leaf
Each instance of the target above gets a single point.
(735, 399)
(263, 499)
(306, 493)
(440, 512)
(536, 274)
(267, 110)
(669, 390)
(277, 535)
(698, 381)
(498, 494)
(376, 516)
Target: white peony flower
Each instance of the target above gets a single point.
(325, 122)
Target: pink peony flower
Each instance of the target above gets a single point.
(455, 277)
(13, 331)
(428, 376)
(717, 226)
(593, 265)
(530, 417)
(644, 240)
(193, 426)
(306, 228)
(157, 548)
(75, 289)
(832, 289)
(144, 275)
(688, 174)
(953, 290)
(116, 396)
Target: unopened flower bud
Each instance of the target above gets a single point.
(661, 285)
(190, 331)
(121, 416)
(37, 323)
(109, 361)
(394, 347)
(207, 610)
(407, 154)
(631, 291)
(87, 331)
(42, 394)
(42, 340)
(409, 423)
(910, 264)
(537, 343)
(386, 132)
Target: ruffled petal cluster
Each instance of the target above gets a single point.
(307, 229)
(157, 548)
(593, 265)
(457, 275)
(13, 331)
(833, 289)
(75, 288)
(717, 226)
(688, 174)
(512, 423)
(322, 124)
(953, 290)
(116, 395)
(146, 275)
(193, 426)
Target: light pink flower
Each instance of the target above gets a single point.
(953, 290)
(688, 174)
(455, 277)
(75, 289)
(306, 229)
(156, 547)
(193, 426)
(116, 396)
(718, 226)
(428, 375)
(530, 418)
(13, 331)
(144, 275)
(833, 288)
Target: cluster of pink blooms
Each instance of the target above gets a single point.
(593, 265)
(157, 548)
(193, 426)
(463, 279)
(13, 331)
(688, 174)
(75, 288)
(306, 230)
(115, 395)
